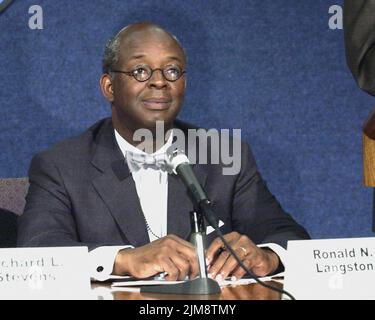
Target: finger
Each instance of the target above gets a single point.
(215, 269)
(191, 256)
(213, 250)
(250, 261)
(170, 269)
(260, 265)
(218, 244)
(182, 264)
(239, 272)
(194, 267)
(231, 263)
(183, 247)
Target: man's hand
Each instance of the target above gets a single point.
(222, 264)
(172, 255)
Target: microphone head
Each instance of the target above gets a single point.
(177, 157)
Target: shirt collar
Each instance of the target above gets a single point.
(126, 146)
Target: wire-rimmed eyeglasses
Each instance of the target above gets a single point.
(144, 73)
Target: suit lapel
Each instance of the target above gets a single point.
(179, 208)
(116, 187)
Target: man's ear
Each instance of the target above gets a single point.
(107, 87)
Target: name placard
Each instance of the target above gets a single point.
(331, 269)
(44, 273)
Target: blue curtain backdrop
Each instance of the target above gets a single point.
(270, 67)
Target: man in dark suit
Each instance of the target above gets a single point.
(359, 27)
(87, 190)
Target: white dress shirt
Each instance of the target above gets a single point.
(152, 190)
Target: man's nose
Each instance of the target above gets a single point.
(157, 79)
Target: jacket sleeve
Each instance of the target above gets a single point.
(48, 218)
(359, 29)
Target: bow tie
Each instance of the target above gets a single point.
(137, 161)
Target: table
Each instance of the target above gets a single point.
(252, 291)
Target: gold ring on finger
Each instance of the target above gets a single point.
(244, 251)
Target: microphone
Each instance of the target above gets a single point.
(181, 166)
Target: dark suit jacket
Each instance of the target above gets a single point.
(359, 27)
(82, 193)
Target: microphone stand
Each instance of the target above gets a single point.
(202, 285)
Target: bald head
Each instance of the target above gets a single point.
(124, 41)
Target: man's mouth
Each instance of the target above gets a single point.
(157, 104)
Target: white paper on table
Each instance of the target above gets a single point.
(140, 283)
(131, 282)
(114, 277)
(229, 282)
